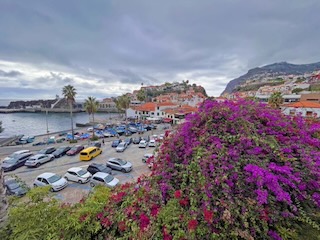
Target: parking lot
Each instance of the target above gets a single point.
(75, 191)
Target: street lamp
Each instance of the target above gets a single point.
(47, 124)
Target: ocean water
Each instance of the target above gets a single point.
(36, 123)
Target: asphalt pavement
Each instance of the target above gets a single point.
(75, 191)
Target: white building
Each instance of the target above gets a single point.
(303, 108)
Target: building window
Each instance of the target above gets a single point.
(292, 112)
(157, 114)
(309, 113)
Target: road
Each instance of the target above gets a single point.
(75, 191)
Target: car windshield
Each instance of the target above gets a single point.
(122, 162)
(13, 186)
(121, 144)
(43, 151)
(82, 172)
(54, 178)
(74, 149)
(11, 160)
(108, 178)
(101, 168)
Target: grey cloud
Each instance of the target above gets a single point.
(155, 41)
(128, 76)
(10, 74)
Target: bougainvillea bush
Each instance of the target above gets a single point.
(233, 170)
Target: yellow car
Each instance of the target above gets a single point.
(89, 153)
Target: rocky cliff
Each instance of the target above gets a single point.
(31, 103)
(275, 70)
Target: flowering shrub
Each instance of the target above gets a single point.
(233, 170)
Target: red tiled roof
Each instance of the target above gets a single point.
(303, 104)
(165, 104)
(149, 106)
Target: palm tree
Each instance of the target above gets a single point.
(123, 103)
(275, 100)
(69, 93)
(91, 105)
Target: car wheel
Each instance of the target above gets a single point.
(51, 190)
(92, 184)
(66, 178)
(38, 165)
(80, 182)
(52, 159)
(123, 170)
(35, 185)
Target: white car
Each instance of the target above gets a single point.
(152, 143)
(38, 159)
(56, 182)
(146, 157)
(143, 144)
(106, 179)
(161, 137)
(121, 147)
(90, 129)
(13, 155)
(77, 174)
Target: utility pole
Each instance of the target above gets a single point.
(47, 124)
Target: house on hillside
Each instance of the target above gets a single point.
(107, 105)
(177, 115)
(149, 109)
(303, 108)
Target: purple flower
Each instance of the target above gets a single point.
(262, 196)
(316, 198)
(274, 235)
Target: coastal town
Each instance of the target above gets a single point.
(150, 120)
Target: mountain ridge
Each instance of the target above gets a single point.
(275, 69)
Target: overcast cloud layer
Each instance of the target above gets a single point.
(107, 48)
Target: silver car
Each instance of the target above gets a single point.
(121, 147)
(38, 159)
(106, 179)
(119, 164)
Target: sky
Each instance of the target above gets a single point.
(107, 48)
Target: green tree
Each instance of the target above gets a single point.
(91, 106)
(69, 93)
(141, 95)
(297, 90)
(275, 100)
(40, 216)
(123, 103)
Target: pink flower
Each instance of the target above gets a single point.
(144, 221)
(177, 194)
(192, 224)
(155, 210)
(208, 215)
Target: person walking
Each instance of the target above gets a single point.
(102, 141)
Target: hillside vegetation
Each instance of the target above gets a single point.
(232, 171)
